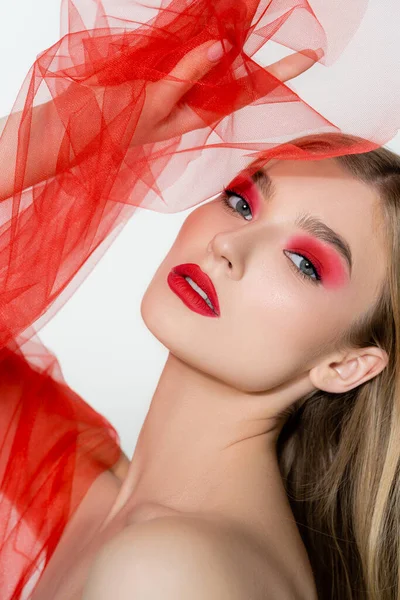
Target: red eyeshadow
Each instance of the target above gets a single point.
(244, 186)
(329, 264)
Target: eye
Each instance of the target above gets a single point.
(234, 202)
(307, 264)
(239, 203)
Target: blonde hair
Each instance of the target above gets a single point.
(339, 454)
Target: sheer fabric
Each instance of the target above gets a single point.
(54, 226)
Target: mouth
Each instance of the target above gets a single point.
(195, 288)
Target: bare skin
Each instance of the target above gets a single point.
(204, 472)
(207, 450)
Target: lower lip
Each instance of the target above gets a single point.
(188, 295)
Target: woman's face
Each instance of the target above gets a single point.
(277, 320)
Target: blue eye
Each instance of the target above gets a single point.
(306, 261)
(227, 194)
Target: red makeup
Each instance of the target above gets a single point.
(244, 186)
(326, 260)
(329, 264)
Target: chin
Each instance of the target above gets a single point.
(174, 327)
(160, 315)
(165, 323)
(152, 313)
(167, 326)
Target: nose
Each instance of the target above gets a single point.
(226, 246)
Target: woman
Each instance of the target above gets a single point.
(203, 511)
(205, 484)
(261, 557)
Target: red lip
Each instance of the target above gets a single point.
(202, 279)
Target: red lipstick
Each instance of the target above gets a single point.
(193, 300)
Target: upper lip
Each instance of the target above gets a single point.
(202, 279)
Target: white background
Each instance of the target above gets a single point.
(108, 356)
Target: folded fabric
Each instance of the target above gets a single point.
(80, 175)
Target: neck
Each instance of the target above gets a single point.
(205, 447)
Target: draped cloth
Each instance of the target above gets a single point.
(54, 227)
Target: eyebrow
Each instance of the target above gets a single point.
(305, 221)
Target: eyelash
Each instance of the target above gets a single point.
(228, 193)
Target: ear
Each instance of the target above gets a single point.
(343, 372)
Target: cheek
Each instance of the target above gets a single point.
(205, 221)
(270, 335)
(259, 349)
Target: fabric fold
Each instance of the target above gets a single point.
(80, 160)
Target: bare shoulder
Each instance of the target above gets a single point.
(169, 557)
(183, 557)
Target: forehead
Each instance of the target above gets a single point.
(316, 176)
(324, 189)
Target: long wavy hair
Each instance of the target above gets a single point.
(339, 453)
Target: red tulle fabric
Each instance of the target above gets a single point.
(56, 223)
